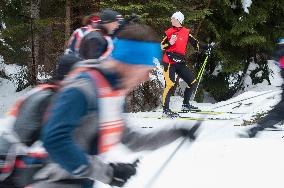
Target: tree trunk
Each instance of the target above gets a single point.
(33, 66)
(67, 21)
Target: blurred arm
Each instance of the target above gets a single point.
(138, 141)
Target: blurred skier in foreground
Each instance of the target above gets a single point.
(85, 119)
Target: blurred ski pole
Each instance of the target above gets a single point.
(192, 131)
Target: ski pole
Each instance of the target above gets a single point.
(160, 170)
(202, 68)
(167, 161)
(268, 92)
(200, 73)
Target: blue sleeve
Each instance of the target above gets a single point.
(65, 115)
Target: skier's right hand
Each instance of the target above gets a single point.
(191, 133)
(133, 18)
(122, 172)
(173, 39)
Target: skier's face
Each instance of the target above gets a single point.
(175, 22)
(111, 26)
(130, 75)
(134, 75)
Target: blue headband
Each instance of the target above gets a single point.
(136, 52)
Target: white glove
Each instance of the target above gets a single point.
(173, 39)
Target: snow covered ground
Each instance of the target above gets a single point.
(218, 158)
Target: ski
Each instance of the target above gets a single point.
(208, 112)
(189, 118)
(238, 101)
(273, 129)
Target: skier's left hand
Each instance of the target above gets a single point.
(122, 172)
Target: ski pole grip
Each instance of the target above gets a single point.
(135, 163)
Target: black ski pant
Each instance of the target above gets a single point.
(170, 71)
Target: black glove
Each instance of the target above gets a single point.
(207, 48)
(122, 172)
(190, 133)
(133, 18)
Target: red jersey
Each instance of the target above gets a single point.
(180, 44)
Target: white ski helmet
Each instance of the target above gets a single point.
(179, 16)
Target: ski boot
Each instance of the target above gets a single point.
(188, 107)
(170, 114)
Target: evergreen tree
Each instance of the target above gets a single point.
(34, 32)
(242, 37)
(158, 13)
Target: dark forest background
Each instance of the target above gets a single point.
(33, 34)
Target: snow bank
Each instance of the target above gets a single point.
(274, 75)
(10, 70)
(8, 95)
(246, 4)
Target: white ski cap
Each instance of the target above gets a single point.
(179, 16)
